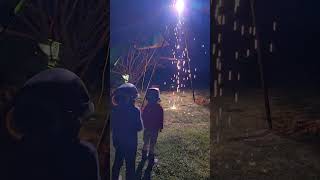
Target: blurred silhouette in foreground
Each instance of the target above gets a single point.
(45, 119)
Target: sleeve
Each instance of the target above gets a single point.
(161, 117)
(113, 128)
(139, 121)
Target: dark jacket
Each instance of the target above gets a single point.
(152, 116)
(125, 124)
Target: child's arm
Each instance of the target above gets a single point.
(161, 118)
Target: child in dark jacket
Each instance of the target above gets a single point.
(152, 116)
(125, 125)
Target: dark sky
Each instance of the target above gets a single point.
(143, 19)
(295, 60)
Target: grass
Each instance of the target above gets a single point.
(244, 150)
(183, 154)
(183, 145)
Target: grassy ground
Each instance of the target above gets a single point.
(183, 145)
(241, 147)
(244, 150)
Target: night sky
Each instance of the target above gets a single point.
(296, 58)
(140, 21)
(295, 62)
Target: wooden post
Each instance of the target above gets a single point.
(191, 82)
(103, 75)
(149, 82)
(260, 62)
(153, 70)
(103, 143)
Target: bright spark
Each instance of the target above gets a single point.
(179, 6)
(173, 107)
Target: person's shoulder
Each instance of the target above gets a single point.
(136, 109)
(87, 147)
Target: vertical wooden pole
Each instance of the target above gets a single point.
(104, 76)
(191, 81)
(153, 70)
(260, 62)
(149, 82)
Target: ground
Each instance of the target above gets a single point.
(246, 150)
(241, 146)
(183, 145)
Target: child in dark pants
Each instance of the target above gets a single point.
(152, 116)
(125, 124)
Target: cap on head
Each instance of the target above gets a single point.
(153, 94)
(51, 102)
(125, 93)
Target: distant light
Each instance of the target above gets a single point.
(173, 107)
(179, 6)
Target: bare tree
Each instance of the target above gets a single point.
(79, 25)
(135, 63)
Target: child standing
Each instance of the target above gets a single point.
(125, 124)
(152, 116)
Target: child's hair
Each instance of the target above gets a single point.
(153, 95)
(125, 94)
(120, 99)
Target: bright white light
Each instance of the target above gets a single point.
(179, 6)
(173, 107)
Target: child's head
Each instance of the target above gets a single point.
(153, 95)
(126, 94)
(52, 104)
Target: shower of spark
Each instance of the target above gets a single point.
(180, 55)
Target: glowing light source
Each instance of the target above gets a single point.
(173, 107)
(179, 6)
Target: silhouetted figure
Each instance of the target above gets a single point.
(152, 116)
(47, 114)
(125, 124)
(7, 142)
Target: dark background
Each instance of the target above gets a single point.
(140, 21)
(295, 61)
